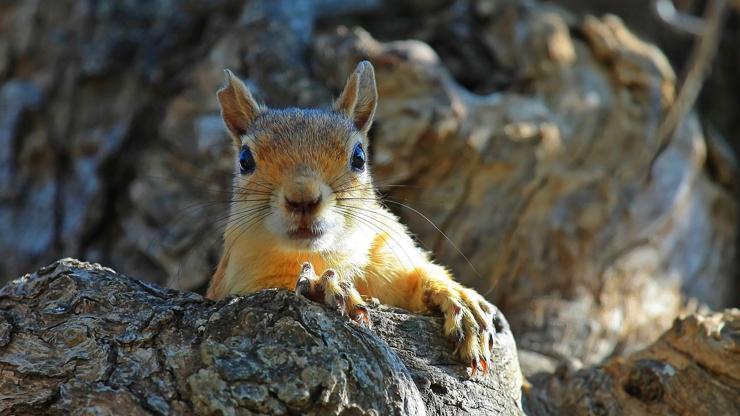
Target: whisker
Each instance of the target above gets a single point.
(343, 175)
(244, 226)
(227, 250)
(374, 186)
(380, 228)
(442, 233)
(236, 219)
(380, 199)
(343, 184)
(266, 186)
(236, 216)
(172, 180)
(470, 264)
(202, 205)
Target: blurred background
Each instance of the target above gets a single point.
(556, 143)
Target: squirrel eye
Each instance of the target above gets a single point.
(246, 161)
(357, 162)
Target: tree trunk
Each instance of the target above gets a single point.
(79, 338)
(693, 369)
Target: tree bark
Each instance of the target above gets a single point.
(693, 369)
(78, 338)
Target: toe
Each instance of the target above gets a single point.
(307, 270)
(361, 316)
(329, 275)
(337, 302)
(473, 367)
(305, 279)
(336, 293)
(470, 323)
(478, 307)
(303, 286)
(485, 352)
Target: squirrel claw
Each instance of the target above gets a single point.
(473, 368)
(469, 323)
(303, 286)
(330, 290)
(361, 316)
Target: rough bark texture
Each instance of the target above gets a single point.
(693, 369)
(722, 86)
(78, 338)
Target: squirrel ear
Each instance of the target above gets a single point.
(238, 107)
(359, 97)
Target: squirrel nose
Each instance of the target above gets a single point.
(304, 206)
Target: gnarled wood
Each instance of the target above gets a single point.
(78, 337)
(693, 369)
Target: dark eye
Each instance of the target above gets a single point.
(246, 161)
(357, 162)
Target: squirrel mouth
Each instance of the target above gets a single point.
(305, 232)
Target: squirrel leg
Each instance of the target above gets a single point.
(468, 317)
(334, 292)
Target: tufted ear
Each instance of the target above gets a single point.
(238, 107)
(359, 97)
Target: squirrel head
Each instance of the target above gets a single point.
(301, 174)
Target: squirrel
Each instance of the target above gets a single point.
(304, 200)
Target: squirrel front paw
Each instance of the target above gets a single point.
(333, 292)
(469, 320)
